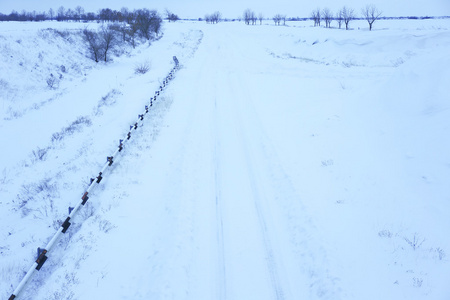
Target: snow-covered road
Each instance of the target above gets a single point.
(227, 222)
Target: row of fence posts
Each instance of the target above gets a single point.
(42, 253)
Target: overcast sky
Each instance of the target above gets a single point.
(235, 8)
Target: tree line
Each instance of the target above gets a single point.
(78, 14)
(213, 18)
(370, 13)
(145, 25)
(345, 15)
(119, 28)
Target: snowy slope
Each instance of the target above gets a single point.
(282, 163)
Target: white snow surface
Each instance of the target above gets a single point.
(282, 162)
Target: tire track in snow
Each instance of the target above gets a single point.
(270, 260)
(222, 290)
(269, 252)
(301, 228)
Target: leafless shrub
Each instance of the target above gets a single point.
(107, 100)
(38, 197)
(62, 33)
(69, 130)
(385, 233)
(327, 162)
(142, 68)
(417, 282)
(105, 226)
(440, 252)
(52, 82)
(415, 242)
(39, 154)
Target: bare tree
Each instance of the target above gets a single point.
(316, 15)
(167, 13)
(348, 14)
(121, 29)
(107, 40)
(100, 43)
(277, 19)
(79, 12)
(70, 14)
(254, 19)
(216, 17)
(156, 22)
(260, 18)
(339, 18)
(147, 23)
(213, 18)
(132, 32)
(327, 16)
(51, 13)
(371, 14)
(106, 14)
(94, 44)
(61, 13)
(90, 16)
(171, 16)
(127, 15)
(248, 16)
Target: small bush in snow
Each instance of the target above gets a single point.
(39, 154)
(65, 34)
(105, 226)
(440, 252)
(38, 197)
(69, 130)
(415, 242)
(328, 162)
(417, 282)
(52, 82)
(385, 233)
(142, 68)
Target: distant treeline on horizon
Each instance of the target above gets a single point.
(124, 15)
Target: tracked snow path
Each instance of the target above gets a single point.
(233, 227)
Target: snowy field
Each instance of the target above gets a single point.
(282, 162)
